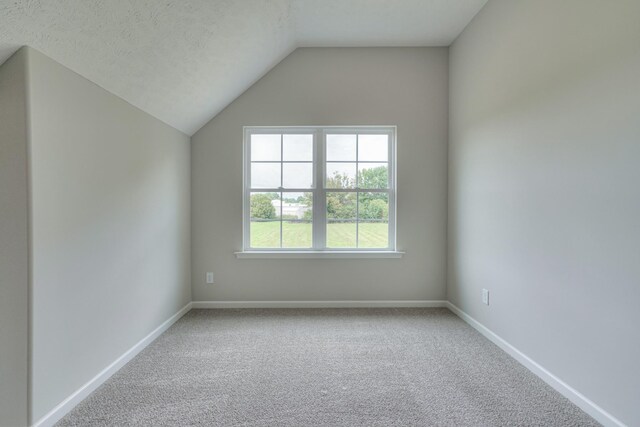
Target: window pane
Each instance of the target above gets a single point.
(341, 175)
(373, 148)
(297, 147)
(264, 229)
(373, 220)
(373, 175)
(265, 175)
(341, 220)
(297, 217)
(283, 178)
(265, 147)
(341, 147)
(297, 175)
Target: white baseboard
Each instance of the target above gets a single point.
(563, 388)
(70, 402)
(318, 304)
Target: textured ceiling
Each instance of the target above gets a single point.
(183, 61)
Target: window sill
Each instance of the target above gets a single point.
(317, 254)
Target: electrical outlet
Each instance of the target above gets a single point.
(485, 296)
(209, 277)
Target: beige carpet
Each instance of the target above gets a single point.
(324, 367)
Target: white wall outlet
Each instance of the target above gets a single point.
(209, 277)
(485, 296)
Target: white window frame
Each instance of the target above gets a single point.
(319, 191)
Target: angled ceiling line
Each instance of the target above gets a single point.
(184, 61)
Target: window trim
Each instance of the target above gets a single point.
(319, 194)
(288, 254)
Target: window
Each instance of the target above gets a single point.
(319, 189)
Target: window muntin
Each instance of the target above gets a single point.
(354, 201)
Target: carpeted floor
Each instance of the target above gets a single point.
(324, 367)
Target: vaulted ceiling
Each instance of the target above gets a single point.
(183, 61)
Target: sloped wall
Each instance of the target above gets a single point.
(110, 229)
(406, 87)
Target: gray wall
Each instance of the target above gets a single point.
(14, 241)
(544, 187)
(406, 87)
(110, 229)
